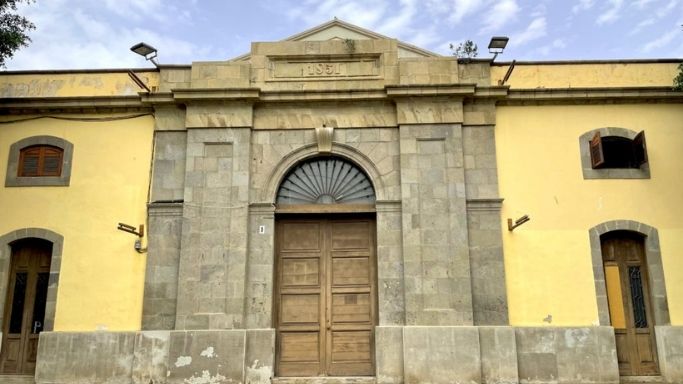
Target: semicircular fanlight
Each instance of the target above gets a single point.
(326, 181)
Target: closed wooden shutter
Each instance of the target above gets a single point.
(640, 148)
(40, 160)
(597, 154)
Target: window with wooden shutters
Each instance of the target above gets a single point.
(617, 152)
(613, 153)
(40, 161)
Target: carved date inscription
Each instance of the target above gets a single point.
(285, 70)
(323, 69)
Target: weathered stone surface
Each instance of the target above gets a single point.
(236, 114)
(441, 355)
(389, 354)
(435, 251)
(566, 355)
(212, 270)
(207, 357)
(168, 167)
(670, 352)
(85, 357)
(428, 110)
(433, 70)
(150, 357)
(260, 356)
(354, 114)
(498, 355)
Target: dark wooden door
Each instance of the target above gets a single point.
(628, 295)
(25, 306)
(325, 297)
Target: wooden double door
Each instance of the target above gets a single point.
(628, 295)
(325, 297)
(25, 306)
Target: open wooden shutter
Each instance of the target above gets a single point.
(640, 148)
(597, 155)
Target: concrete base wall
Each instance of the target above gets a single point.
(153, 357)
(404, 354)
(670, 352)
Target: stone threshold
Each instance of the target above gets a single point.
(641, 380)
(325, 380)
(17, 379)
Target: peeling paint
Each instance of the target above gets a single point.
(258, 375)
(205, 378)
(208, 353)
(182, 361)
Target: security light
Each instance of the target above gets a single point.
(497, 45)
(146, 51)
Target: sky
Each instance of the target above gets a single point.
(81, 34)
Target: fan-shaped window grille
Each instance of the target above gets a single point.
(326, 181)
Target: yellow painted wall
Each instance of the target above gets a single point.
(74, 84)
(548, 260)
(102, 277)
(573, 75)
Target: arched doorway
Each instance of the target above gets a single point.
(630, 306)
(25, 304)
(325, 295)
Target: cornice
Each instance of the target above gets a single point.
(72, 104)
(589, 95)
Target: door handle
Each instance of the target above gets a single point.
(36, 325)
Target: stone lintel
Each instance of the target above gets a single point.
(429, 110)
(487, 205)
(262, 209)
(220, 114)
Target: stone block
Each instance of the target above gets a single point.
(498, 355)
(85, 357)
(670, 352)
(566, 355)
(206, 357)
(389, 354)
(150, 357)
(260, 356)
(441, 355)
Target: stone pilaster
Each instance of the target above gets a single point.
(435, 247)
(211, 278)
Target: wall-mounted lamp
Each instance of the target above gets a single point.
(146, 51)
(518, 222)
(140, 233)
(497, 45)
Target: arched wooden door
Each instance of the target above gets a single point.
(25, 305)
(628, 296)
(325, 296)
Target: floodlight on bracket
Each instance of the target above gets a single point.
(497, 45)
(147, 51)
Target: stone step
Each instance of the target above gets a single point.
(641, 380)
(17, 379)
(325, 380)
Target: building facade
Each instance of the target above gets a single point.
(340, 204)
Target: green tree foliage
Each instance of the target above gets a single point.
(465, 50)
(13, 29)
(678, 80)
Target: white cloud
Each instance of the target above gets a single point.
(462, 8)
(502, 12)
(555, 45)
(666, 10)
(535, 30)
(661, 42)
(611, 14)
(583, 5)
(642, 25)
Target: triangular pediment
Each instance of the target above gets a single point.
(340, 30)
